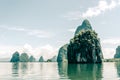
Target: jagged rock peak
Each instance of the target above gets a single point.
(85, 26)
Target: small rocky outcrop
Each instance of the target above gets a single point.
(49, 60)
(41, 59)
(62, 55)
(53, 59)
(15, 57)
(117, 54)
(24, 57)
(32, 59)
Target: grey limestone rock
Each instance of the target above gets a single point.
(117, 55)
(84, 47)
(15, 57)
(62, 54)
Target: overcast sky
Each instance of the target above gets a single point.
(41, 27)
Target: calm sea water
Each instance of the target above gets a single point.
(59, 71)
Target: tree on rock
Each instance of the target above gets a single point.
(85, 48)
(24, 57)
(15, 57)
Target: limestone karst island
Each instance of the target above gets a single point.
(84, 47)
(59, 39)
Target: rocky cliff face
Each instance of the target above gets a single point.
(62, 55)
(15, 57)
(84, 47)
(117, 55)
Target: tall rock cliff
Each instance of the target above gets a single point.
(62, 54)
(84, 47)
(117, 55)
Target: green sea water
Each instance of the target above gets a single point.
(59, 71)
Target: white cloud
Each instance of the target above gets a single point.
(108, 52)
(32, 32)
(111, 41)
(39, 33)
(102, 6)
(28, 48)
(109, 46)
(12, 28)
(71, 30)
(16, 29)
(47, 51)
(6, 51)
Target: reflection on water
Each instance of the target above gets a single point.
(24, 67)
(19, 69)
(117, 64)
(62, 68)
(81, 71)
(85, 71)
(59, 71)
(15, 69)
(34, 71)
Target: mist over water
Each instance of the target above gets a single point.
(59, 71)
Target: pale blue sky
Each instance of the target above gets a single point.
(38, 23)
